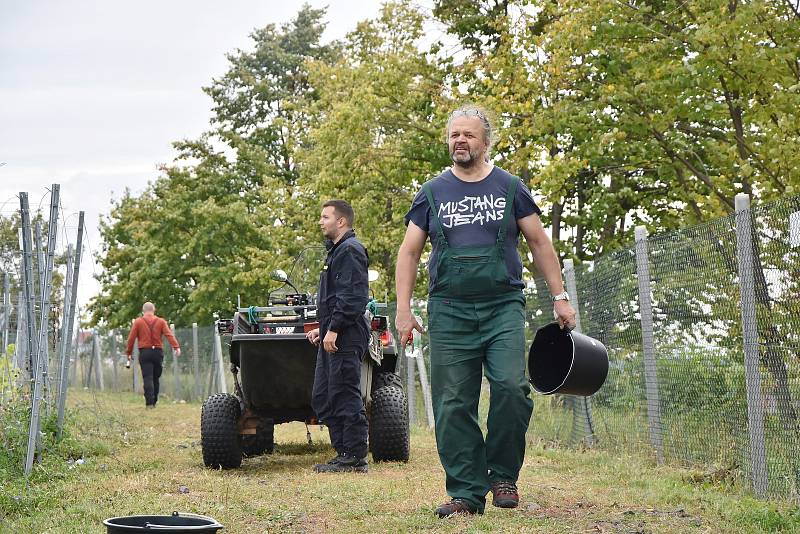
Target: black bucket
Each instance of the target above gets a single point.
(175, 523)
(568, 363)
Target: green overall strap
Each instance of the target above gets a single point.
(426, 188)
(512, 192)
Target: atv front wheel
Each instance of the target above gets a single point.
(388, 425)
(387, 379)
(219, 432)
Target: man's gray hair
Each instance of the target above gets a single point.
(148, 307)
(470, 110)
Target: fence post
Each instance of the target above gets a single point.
(6, 320)
(47, 286)
(198, 392)
(74, 365)
(419, 359)
(135, 358)
(99, 373)
(33, 428)
(648, 342)
(63, 336)
(223, 385)
(6, 310)
(21, 345)
(175, 372)
(98, 366)
(30, 307)
(213, 374)
(411, 386)
(582, 420)
(88, 369)
(66, 337)
(112, 343)
(752, 375)
(40, 272)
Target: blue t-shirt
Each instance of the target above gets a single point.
(471, 213)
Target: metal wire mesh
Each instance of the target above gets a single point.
(609, 310)
(776, 267)
(698, 344)
(185, 378)
(697, 411)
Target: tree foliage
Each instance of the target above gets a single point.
(616, 113)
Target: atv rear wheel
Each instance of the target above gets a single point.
(263, 441)
(219, 432)
(388, 425)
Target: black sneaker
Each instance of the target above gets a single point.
(335, 460)
(345, 464)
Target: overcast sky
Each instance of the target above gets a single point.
(93, 93)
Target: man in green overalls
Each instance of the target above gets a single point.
(474, 213)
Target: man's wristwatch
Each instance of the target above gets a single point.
(561, 296)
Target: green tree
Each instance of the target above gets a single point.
(379, 129)
(626, 114)
(211, 226)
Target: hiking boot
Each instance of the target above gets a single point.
(344, 463)
(504, 494)
(456, 506)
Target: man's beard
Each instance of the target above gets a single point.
(472, 160)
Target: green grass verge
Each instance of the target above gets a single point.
(138, 461)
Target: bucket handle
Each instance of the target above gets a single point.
(156, 526)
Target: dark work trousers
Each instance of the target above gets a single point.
(151, 361)
(336, 399)
(466, 339)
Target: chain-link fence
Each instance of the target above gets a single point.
(201, 370)
(702, 328)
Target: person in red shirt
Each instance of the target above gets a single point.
(148, 329)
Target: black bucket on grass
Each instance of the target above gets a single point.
(172, 524)
(567, 363)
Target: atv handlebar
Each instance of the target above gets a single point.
(297, 299)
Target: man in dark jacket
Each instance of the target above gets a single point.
(344, 332)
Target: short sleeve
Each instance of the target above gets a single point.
(419, 213)
(524, 204)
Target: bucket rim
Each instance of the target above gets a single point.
(213, 523)
(571, 361)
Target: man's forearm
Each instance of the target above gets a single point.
(131, 341)
(405, 278)
(546, 261)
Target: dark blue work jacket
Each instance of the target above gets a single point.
(344, 293)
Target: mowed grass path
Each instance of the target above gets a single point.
(154, 466)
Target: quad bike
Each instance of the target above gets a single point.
(273, 369)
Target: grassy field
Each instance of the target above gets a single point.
(149, 462)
